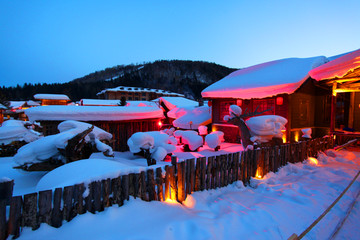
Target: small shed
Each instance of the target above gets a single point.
(121, 122)
(342, 75)
(52, 99)
(282, 86)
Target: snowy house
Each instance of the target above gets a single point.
(52, 99)
(283, 87)
(135, 93)
(121, 122)
(16, 109)
(2, 109)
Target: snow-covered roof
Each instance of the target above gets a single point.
(264, 80)
(193, 118)
(2, 106)
(51, 96)
(173, 102)
(338, 67)
(16, 104)
(139, 89)
(92, 113)
(32, 103)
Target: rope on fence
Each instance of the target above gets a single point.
(295, 237)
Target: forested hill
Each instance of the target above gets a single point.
(186, 77)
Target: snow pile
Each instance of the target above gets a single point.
(306, 132)
(264, 80)
(82, 171)
(337, 68)
(139, 141)
(190, 138)
(264, 128)
(47, 147)
(203, 130)
(194, 118)
(15, 130)
(178, 112)
(92, 113)
(214, 139)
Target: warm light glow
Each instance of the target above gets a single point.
(279, 101)
(313, 160)
(257, 174)
(189, 202)
(160, 123)
(334, 93)
(284, 136)
(296, 136)
(239, 102)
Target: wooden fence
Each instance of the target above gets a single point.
(178, 180)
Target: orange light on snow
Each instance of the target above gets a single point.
(171, 202)
(313, 160)
(296, 136)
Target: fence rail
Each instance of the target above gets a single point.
(179, 180)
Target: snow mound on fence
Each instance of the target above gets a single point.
(81, 126)
(14, 130)
(82, 171)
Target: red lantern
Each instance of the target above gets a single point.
(239, 102)
(279, 101)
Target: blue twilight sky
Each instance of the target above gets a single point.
(58, 41)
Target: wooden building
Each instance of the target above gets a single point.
(284, 87)
(52, 99)
(2, 109)
(135, 93)
(121, 122)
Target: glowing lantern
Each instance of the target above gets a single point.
(279, 101)
(160, 123)
(239, 102)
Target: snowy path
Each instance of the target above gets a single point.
(272, 208)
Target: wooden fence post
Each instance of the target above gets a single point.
(181, 182)
(56, 216)
(197, 174)
(6, 191)
(68, 196)
(30, 211)
(167, 183)
(106, 190)
(159, 184)
(208, 172)
(202, 173)
(15, 216)
(192, 175)
(151, 184)
(116, 189)
(173, 185)
(45, 198)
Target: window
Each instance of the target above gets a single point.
(264, 104)
(224, 109)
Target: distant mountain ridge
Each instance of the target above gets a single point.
(185, 77)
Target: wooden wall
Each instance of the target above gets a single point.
(121, 130)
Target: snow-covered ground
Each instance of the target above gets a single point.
(274, 207)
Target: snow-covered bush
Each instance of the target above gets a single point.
(264, 128)
(214, 139)
(152, 145)
(203, 130)
(15, 130)
(190, 139)
(49, 147)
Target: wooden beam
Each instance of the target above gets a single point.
(333, 108)
(344, 90)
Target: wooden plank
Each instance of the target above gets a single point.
(192, 175)
(151, 184)
(167, 183)
(197, 175)
(106, 190)
(15, 216)
(97, 196)
(116, 189)
(242, 166)
(181, 181)
(3, 225)
(79, 207)
(67, 200)
(159, 184)
(174, 160)
(132, 184)
(125, 187)
(202, 173)
(142, 186)
(226, 169)
(213, 173)
(56, 215)
(45, 199)
(187, 177)
(217, 171)
(208, 172)
(6, 191)
(236, 166)
(173, 185)
(231, 168)
(276, 159)
(30, 211)
(137, 185)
